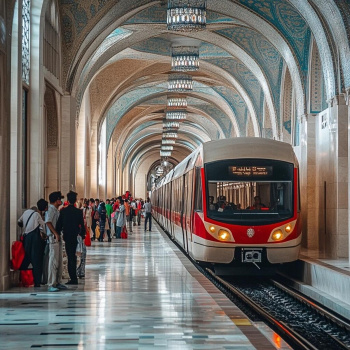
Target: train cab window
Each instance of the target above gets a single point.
(250, 192)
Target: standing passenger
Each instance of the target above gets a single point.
(71, 221)
(128, 213)
(121, 221)
(102, 221)
(55, 244)
(148, 212)
(33, 244)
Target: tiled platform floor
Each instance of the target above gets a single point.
(140, 293)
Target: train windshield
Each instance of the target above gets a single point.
(250, 192)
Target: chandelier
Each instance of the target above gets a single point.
(186, 15)
(185, 58)
(176, 102)
(180, 83)
(167, 148)
(170, 124)
(167, 141)
(165, 153)
(176, 115)
(170, 135)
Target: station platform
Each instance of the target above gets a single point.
(139, 293)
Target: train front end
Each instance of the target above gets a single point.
(251, 213)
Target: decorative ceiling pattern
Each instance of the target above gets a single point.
(243, 56)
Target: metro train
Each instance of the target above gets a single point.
(234, 202)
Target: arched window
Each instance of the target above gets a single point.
(51, 39)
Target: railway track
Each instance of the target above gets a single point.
(299, 320)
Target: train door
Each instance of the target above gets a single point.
(189, 210)
(183, 211)
(178, 211)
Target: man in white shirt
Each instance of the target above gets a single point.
(148, 212)
(55, 243)
(33, 244)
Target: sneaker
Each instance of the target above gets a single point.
(61, 286)
(53, 289)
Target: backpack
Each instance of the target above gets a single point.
(96, 215)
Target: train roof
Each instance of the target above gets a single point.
(248, 147)
(234, 148)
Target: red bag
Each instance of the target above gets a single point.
(87, 239)
(27, 278)
(124, 233)
(18, 254)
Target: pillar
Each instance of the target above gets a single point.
(337, 190)
(67, 142)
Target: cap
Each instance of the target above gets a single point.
(54, 196)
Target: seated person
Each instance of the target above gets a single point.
(223, 205)
(211, 203)
(257, 204)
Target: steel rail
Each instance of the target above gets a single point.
(292, 337)
(312, 304)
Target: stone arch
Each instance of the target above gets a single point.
(52, 145)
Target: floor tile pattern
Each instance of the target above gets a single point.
(139, 293)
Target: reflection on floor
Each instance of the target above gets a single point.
(139, 293)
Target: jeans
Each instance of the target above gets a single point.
(118, 232)
(148, 218)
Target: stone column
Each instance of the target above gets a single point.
(93, 161)
(5, 129)
(67, 144)
(109, 173)
(337, 190)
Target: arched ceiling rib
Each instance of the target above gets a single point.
(243, 53)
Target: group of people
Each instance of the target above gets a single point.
(45, 227)
(110, 217)
(223, 205)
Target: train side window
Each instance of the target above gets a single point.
(198, 205)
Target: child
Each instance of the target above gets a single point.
(97, 230)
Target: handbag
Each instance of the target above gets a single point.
(124, 234)
(87, 239)
(18, 254)
(27, 278)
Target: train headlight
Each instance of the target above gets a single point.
(277, 235)
(212, 228)
(224, 235)
(288, 228)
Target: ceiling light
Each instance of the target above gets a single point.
(186, 15)
(185, 58)
(180, 83)
(176, 115)
(175, 102)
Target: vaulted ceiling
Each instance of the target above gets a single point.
(119, 52)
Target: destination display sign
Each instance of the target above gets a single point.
(250, 171)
